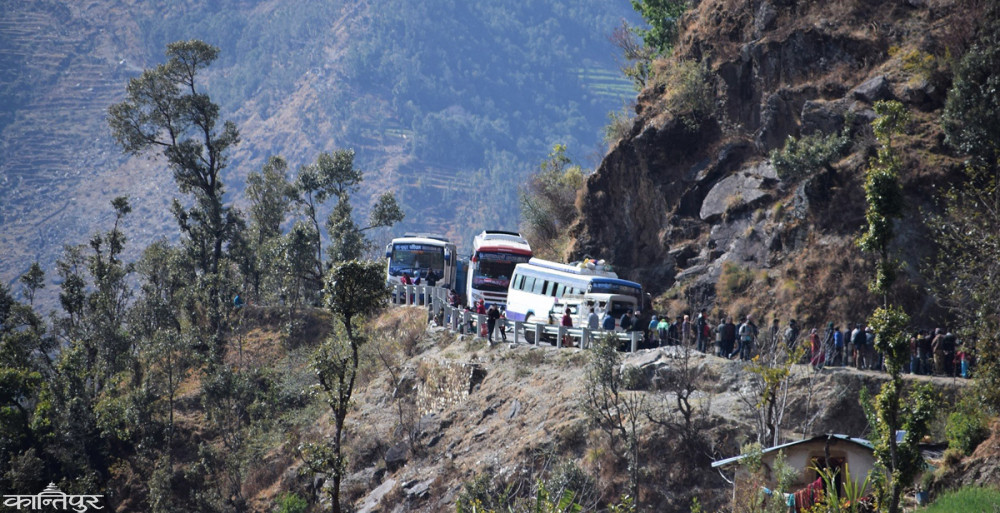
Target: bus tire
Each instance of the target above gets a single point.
(529, 331)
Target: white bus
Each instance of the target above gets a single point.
(429, 257)
(541, 290)
(491, 265)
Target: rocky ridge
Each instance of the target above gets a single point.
(675, 204)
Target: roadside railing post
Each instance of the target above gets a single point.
(518, 326)
(584, 338)
(634, 335)
(539, 329)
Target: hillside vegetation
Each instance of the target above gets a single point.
(786, 161)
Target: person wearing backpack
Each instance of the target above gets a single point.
(661, 330)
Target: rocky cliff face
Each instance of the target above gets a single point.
(681, 206)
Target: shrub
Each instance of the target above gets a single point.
(619, 124)
(486, 492)
(734, 280)
(951, 458)
(807, 155)
(967, 426)
(971, 118)
(689, 90)
(291, 503)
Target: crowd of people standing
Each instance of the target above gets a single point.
(936, 353)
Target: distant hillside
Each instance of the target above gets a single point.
(449, 103)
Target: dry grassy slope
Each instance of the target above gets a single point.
(526, 416)
(783, 68)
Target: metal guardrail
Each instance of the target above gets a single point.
(461, 320)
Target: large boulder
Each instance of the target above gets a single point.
(738, 192)
(873, 90)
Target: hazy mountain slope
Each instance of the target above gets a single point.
(440, 99)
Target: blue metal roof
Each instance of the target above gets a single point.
(858, 441)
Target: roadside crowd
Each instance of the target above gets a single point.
(935, 352)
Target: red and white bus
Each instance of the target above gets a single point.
(494, 256)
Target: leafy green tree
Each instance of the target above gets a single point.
(884, 195)
(238, 405)
(23, 369)
(85, 406)
(971, 117)
(165, 111)
(163, 278)
(663, 17)
(892, 410)
(355, 290)
(299, 264)
(347, 240)
(271, 197)
(334, 176)
(33, 281)
(966, 274)
(167, 362)
(108, 304)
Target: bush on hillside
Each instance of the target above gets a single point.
(688, 90)
(967, 426)
(806, 155)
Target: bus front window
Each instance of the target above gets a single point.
(416, 258)
(618, 308)
(492, 271)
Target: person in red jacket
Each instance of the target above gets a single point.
(567, 321)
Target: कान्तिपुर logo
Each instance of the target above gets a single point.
(52, 498)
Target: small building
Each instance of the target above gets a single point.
(815, 453)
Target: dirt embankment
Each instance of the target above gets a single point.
(517, 414)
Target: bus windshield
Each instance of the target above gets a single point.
(492, 271)
(416, 258)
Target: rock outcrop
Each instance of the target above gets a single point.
(709, 190)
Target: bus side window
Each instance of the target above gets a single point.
(562, 291)
(545, 287)
(536, 285)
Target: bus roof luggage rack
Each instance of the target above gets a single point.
(588, 267)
